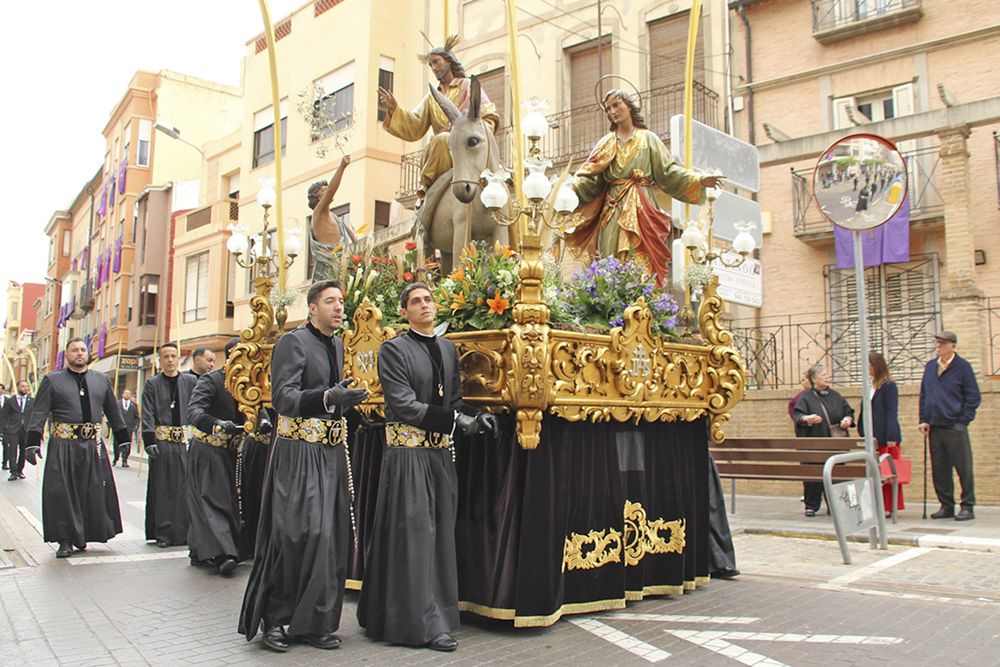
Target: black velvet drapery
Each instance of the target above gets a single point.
(517, 508)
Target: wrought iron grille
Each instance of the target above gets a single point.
(904, 312)
(996, 161)
(828, 14)
(992, 313)
(923, 183)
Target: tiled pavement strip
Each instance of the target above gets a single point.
(796, 604)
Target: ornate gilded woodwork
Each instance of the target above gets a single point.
(631, 374)
(361, 345)
(641, 537)
(248, 368)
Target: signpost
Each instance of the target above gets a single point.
(865, 162)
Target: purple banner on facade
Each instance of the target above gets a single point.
(887, 244)
(60, 357)
(102, 208)
(122, 171)
(111, 192)
(102, 338)
(117, 266)
(99, 272)
(107, 264)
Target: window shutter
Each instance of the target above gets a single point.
(493, 85)
(840, 118)
(668, 52)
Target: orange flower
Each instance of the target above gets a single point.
(458, 275)
(507, 252)
(407, 276)
(411, 245)
(357, 259)
(458, 301)
(498, 304)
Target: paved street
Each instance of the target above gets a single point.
(796, 604)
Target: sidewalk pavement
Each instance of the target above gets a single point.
(783, 516)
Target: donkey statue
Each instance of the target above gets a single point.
(447, 219)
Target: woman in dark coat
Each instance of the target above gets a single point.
(820, 412)
(885, 418)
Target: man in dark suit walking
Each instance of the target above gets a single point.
(130, 413)
(16, 412)
(3, 427)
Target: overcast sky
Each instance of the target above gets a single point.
(64, 66)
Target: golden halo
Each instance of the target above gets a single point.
(599, 97)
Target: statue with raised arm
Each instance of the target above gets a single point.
(615, 185)
(428, 115)
(327, 230)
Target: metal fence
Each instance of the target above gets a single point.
(996, 161)
(904, 313)
(992, 316)
(923, 184)
(829, 14)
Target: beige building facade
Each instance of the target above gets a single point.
(922, 74)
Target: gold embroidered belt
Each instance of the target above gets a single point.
(178, 434)
(330, 432)
(85, 431)
(398, 434)
(213, 439)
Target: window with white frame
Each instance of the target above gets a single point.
(263, 134)
(145, 136)
(126, 139)
(196, 288)
(337, 102)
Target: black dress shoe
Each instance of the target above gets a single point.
(124, 465)
(20, 475)
(227, 565)
(326, 642)
(966, 514)
(726, 573)
(163, 544)
(443, 642)
(65, 550)
(276, 639)
(944, 513)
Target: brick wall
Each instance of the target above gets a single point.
(764, 413)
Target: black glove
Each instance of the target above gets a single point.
(265, 426)
(228, 427)
(488, 423)
(152, 451)
(467, 424)
(339, 394)
(32, 455)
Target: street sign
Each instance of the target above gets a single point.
(128, 363)
(737, 160)
(742, 284)
(728, 210)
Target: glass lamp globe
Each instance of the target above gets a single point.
(237, 242)
(266, 196)
(536, 186)
(566, 199)
(534, 125)
(744, 243)
(692, 237)
(293, 242)
(494, 195)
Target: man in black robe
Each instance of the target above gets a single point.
(130, 414)
(79, 499)
(17, 410)
(253, 465)
(3, 426)
(300, 565)
(410, 591)
(165, 433)
(216, 434)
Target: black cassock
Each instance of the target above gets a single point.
(253, 463)
(300, 564)
(211, 474)
(410, 591)
(165, 403)
(79, 498)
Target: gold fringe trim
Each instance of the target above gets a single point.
(541, 621)
(353, 584)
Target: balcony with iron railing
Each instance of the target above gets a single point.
(834, 20)
(86, 301)
(926, 203)
(574, 132)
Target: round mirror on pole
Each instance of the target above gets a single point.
(859, 182)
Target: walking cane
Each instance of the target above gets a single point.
(925, 476)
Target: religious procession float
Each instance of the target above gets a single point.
(595, 493)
